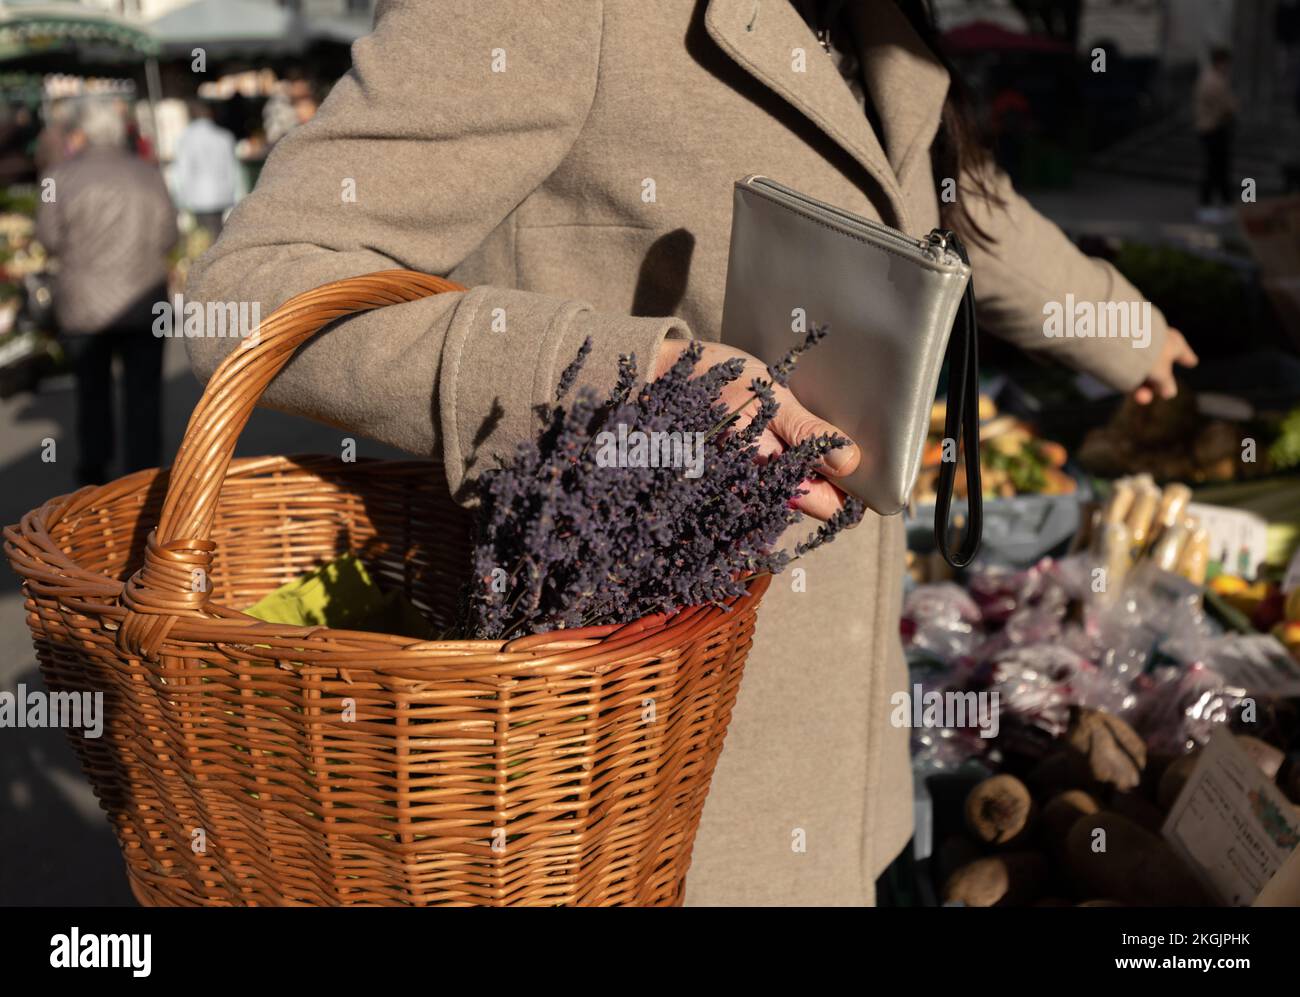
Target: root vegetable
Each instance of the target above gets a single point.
(956, 851)
(999, 810)
(1133, 865)
(1105, 749)
(1009, 880)
(1060, 813)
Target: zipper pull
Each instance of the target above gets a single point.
(937, 243)
(824, 39)
(945, 242)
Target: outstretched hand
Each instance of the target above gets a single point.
(1160, 382)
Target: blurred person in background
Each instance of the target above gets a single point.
(206, 170)
(292, 104)
(304, 104)
(1215, 114)
(110, 224)
(52, 142)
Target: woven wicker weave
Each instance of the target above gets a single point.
(253, 763)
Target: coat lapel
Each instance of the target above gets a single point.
(907, 84)
(906, 81)
(761, 36)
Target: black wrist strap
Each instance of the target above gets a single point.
(962, 426)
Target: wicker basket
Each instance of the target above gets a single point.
(245, 762)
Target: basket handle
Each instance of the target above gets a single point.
(164, 589)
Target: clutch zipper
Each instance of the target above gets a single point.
(935, 247)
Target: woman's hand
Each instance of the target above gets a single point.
(793, 423)
(1160, 382)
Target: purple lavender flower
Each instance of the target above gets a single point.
(566, 539)
(780, 373)
(571, 372)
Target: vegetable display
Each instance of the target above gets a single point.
(1014, 460)
(1174, 440)
(1104, 699)
(1089, 844)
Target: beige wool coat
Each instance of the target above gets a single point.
(572, 161)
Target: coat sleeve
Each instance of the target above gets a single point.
(1031, 264)
(422, 150)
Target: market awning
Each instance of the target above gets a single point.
(228, 27)
(35, 31)
(986, 36)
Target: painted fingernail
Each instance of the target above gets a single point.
(838, 460)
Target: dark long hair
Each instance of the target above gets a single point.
(959, 150)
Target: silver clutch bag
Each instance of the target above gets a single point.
(891, 301)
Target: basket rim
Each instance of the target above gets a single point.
(47, 569)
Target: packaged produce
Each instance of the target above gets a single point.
(1167, 551)
(1178, 707)
(1194, 562)
(1115, 552)
(940, 619)
(1173, 505)
(1142, 516)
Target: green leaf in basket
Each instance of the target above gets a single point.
(343, 596)
(338, 594)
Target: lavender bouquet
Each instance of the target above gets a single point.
(645, 502)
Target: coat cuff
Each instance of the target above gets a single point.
(503, 356)
(1120, 363)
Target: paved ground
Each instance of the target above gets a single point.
(1131, 207)
(55, 846)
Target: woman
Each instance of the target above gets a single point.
(572, 163)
